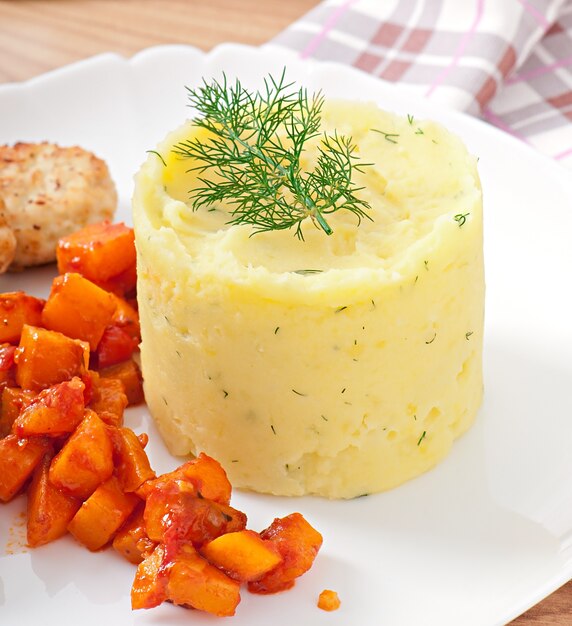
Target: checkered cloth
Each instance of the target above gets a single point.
(509, 61)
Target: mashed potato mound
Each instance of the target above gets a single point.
(339, 365)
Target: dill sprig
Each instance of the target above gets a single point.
(253, 155)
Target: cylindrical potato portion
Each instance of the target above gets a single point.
(338, 365)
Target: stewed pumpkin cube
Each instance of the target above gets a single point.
(98, 251)
(297, 543)
(18, 459)
(78, 308)
(131, 540)
(54, 412)
(102, 514)
(49, 509)
(16, 309)
(46, 357)
(86, 459)
(243, 555)
(195, 582)
(132, 466)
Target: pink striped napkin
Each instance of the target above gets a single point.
(508, 61)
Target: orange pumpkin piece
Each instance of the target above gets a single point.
(56, 411)
(17, 309)
(173, 510)
(108, 399)
(7, 365)
(129, 374)
(242, 555)
(205, 474)
(14, 400)
(122, 285)
(78, 308)
(18, 459)
(297, 543)
(127, 318)
(150, 585)
(194, 582)
(131, 540)
(102, 514)
(328, 600)
(86, 459)
(115, 346)
(46, 357)
(97, 251)
(132, 466)
(49, 509)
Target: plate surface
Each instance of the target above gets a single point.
(476, 541)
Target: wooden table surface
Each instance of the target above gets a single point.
(37, 36)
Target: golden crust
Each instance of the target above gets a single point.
(48, 192)
(7, 241)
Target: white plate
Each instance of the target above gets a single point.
(476, 541)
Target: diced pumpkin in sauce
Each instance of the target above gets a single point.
(150, 585)
(14, 399)
(78, 308)
(86, 459)
(7, 365)
(129, 374)
(46, 357)
(49, 509)
(243, 555)
(204, 473)
(328, 600)
(297, 543)
(195, 582)
(56, 411)
(174, 512)
(108, 399)
(131, 540)
(18, 459)
(98, 251)
(115, 346)
(132, 466)
(102, 514)
(127, 318)
(16, 309)
(122, 285)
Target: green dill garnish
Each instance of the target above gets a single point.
(426, 264)
(422, 437)
(276, 330)
(225, 393)
(324, 418)
(431, 340)
(305, 272)
(461, 218)
(341, 308)
(253, 157)
(410, 119)
(419, 131)
(344, 389)
(468, 334)
(298, 393)
(165, 400)
(391, 137)
(273, 429)
(155, 152)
